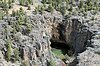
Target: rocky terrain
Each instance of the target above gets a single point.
(49, 33)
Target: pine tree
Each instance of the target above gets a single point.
(71, 8)
(36, 10)
(9, 43)
(21, 11)
(67, 3)
(81, 4)
(21, 20)
(59, 1)
(63, 10)
(44, 1)
(29, 8)
(16, 52)
(1, 14)
(42, 9)
(30, 1)
(86, 8)
(50, 8)
(5, 7)
(10, 3)
(13, 13)
(49, 1)
(22, 2)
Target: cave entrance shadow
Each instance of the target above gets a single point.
(60, 46)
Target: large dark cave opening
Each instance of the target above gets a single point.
(60, 46)
(61, 50)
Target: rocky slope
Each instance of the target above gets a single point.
(34, 46)
(27, 38)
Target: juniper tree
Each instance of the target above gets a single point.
(50, 8)
(21, 19)
(30, 1)
(29, 8)
(86, 7)
(22, 2)
(49, 1)
(71, 8)
(81, 4)
(67, 3)
(44, 1)
(42, 9)
(16, 53)
(10, 3)
(63, 10)
(8, 46)
(36, 10)
(59, 1)
(26, 20)
(21, 11)
(5, 6)
(1, 14)
(13, 13)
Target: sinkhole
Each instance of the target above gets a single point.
(61, 50)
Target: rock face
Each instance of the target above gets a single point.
(73, 33)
